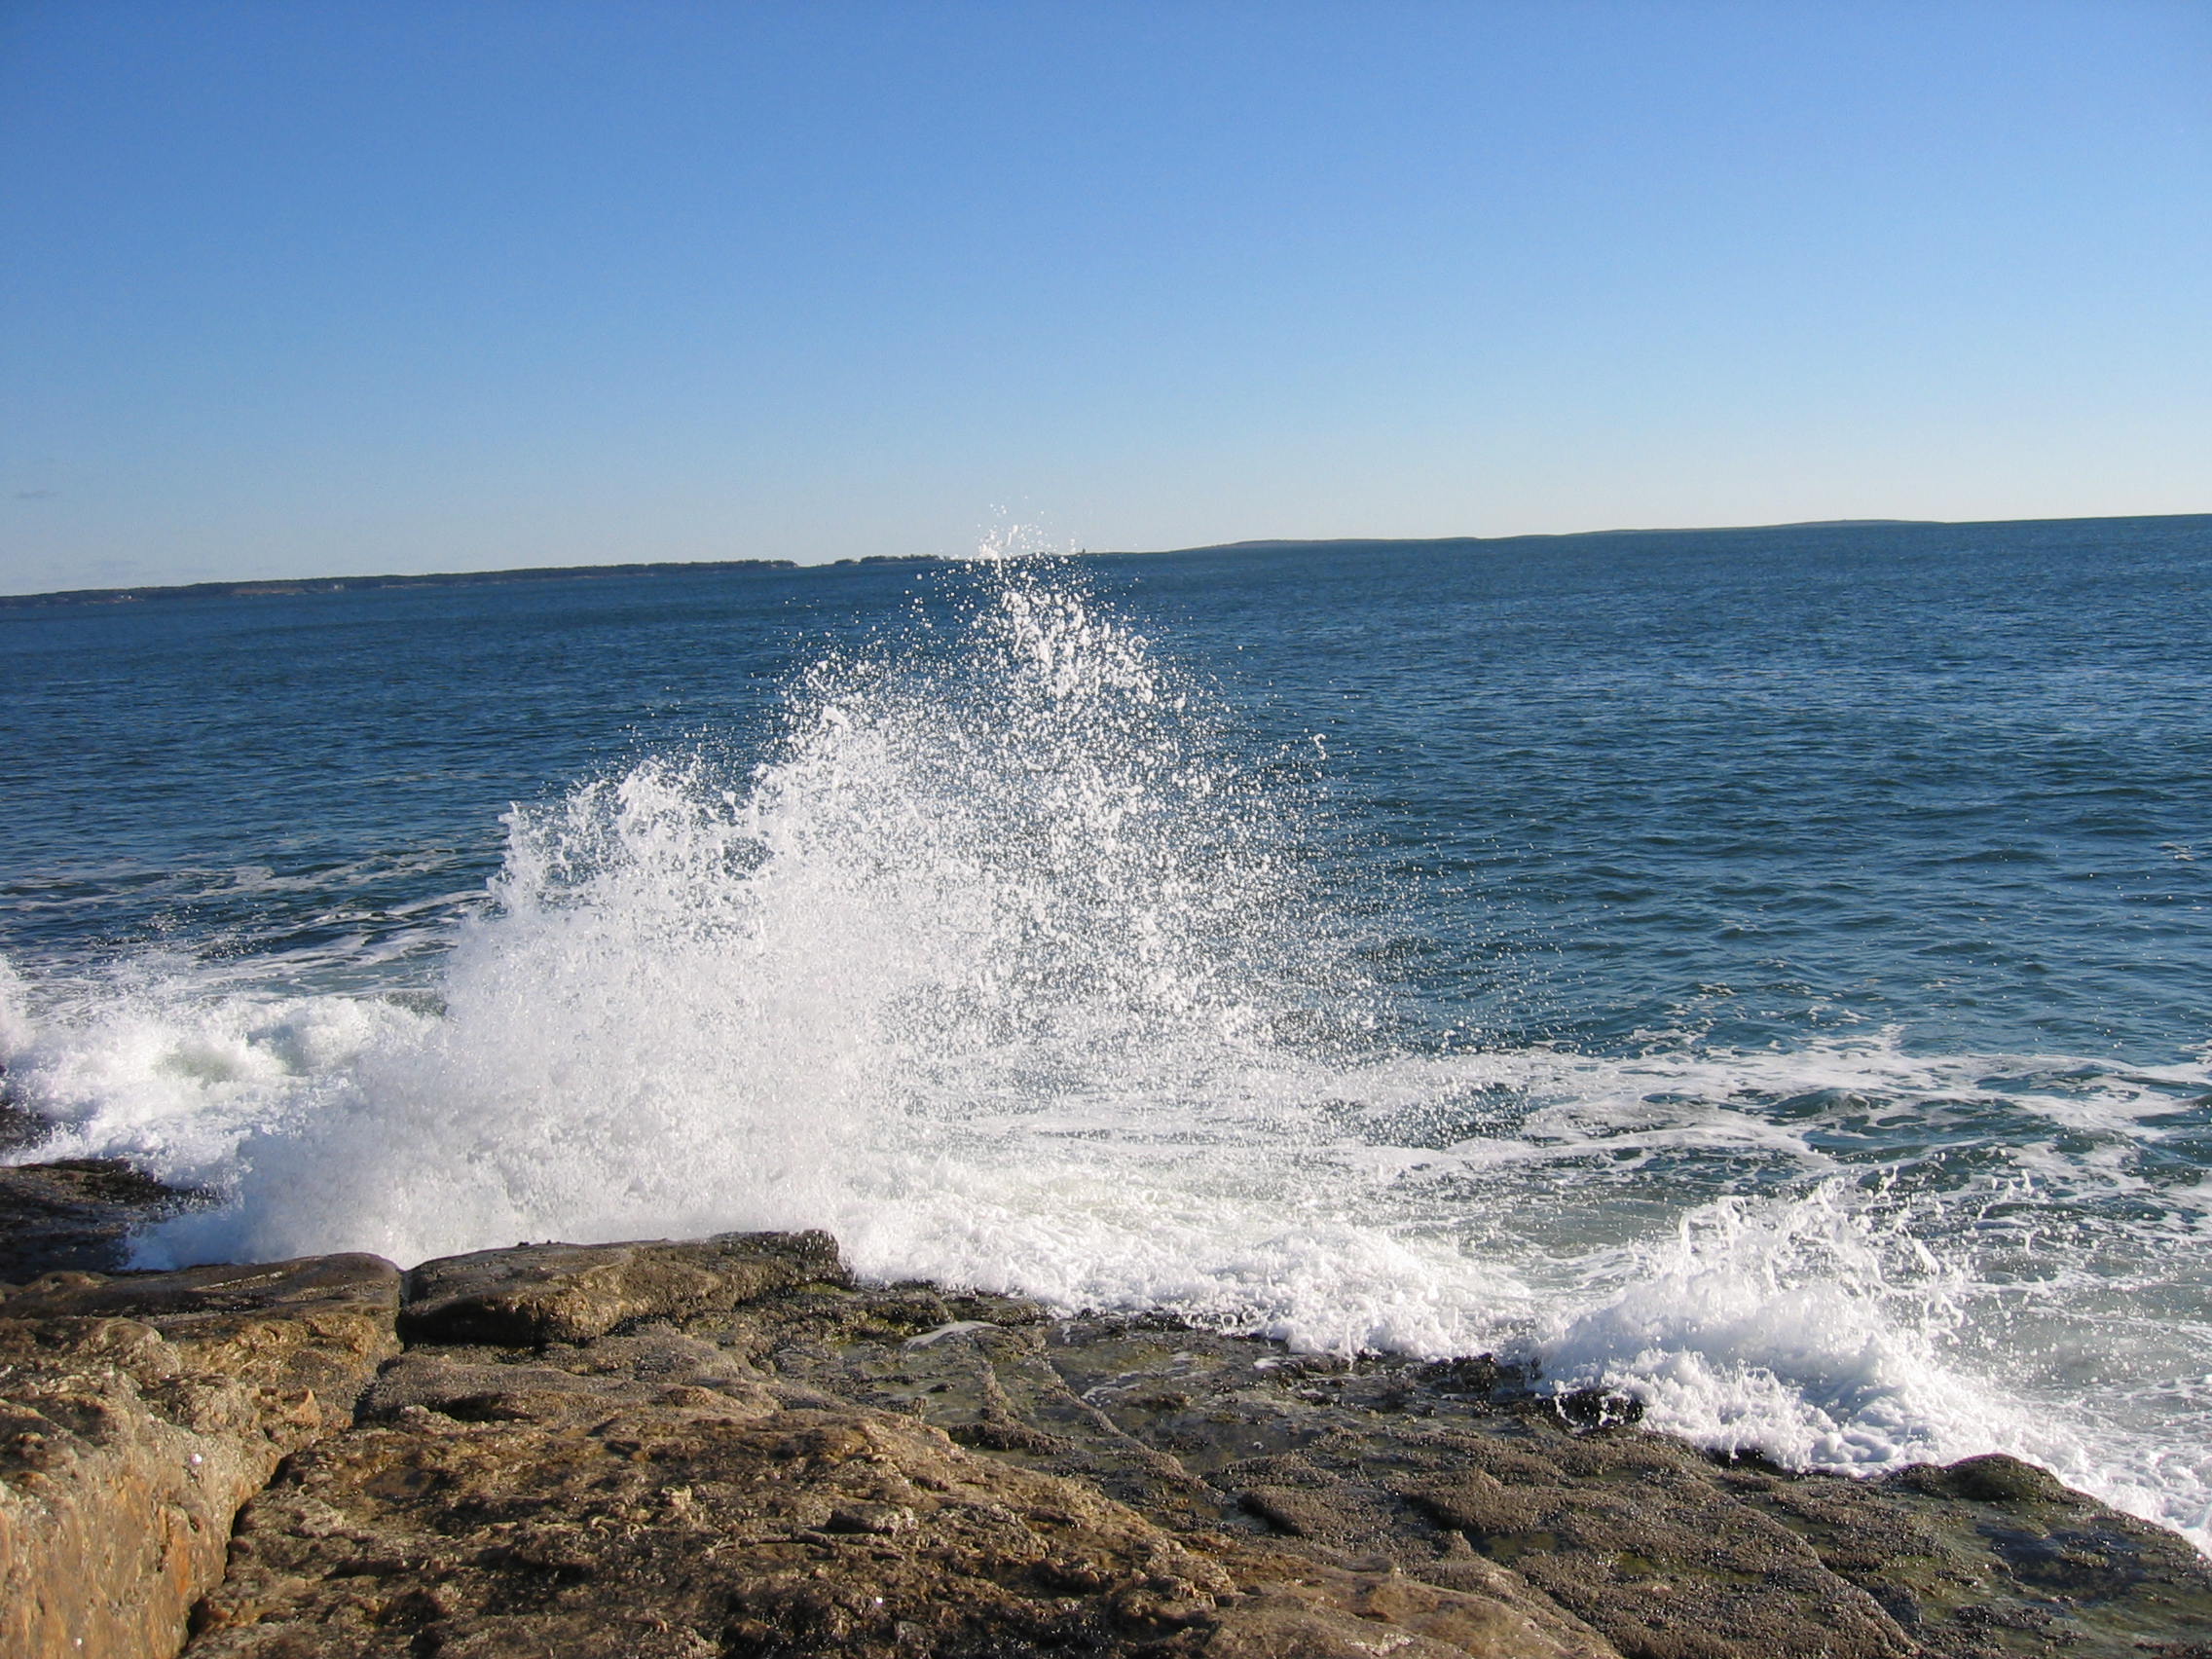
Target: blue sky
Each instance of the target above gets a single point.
(300, 288)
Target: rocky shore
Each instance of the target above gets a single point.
(727, 1448)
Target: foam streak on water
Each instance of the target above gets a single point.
(1010, 968)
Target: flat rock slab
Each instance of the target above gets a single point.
(728, 1448)
(604, 1516)
(1464, 1476)
(139, 1413)
(546, 1292)
(519, 1485)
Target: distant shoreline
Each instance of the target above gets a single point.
(296, 586)
(1580, 534)
(1268, 543)
(289, 588)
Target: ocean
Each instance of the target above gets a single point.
(1765, 972)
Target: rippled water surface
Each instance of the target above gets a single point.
(1768, 970)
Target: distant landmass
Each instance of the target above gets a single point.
(293, 586)
(1376, 544)
(1266, 543)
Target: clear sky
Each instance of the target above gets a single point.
(296, 288)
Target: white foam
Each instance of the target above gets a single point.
(1802, 1328)
(157, 1071)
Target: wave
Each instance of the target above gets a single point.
(1010, 967)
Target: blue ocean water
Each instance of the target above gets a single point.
(1767, 970)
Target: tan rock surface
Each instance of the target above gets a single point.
(546, 1292)
(138, 1412)
(664, 1490)
(726, 1448)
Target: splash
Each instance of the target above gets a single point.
(1810, 1331)
(1010, 965)
(1004, 908)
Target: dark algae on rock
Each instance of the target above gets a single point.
(77, 1213)
(727, 1449)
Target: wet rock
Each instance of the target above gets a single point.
(1991, 1479)
(139, 1413)
(1467, 1477)
(19, 1129)
(479, 1385)
(1597, 1408)
(1330, 1614)
(75, 1214)
(570, 1293)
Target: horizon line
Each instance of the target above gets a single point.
(272, 587)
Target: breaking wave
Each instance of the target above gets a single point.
(1011, 967)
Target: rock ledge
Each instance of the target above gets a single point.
(726, 1448)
